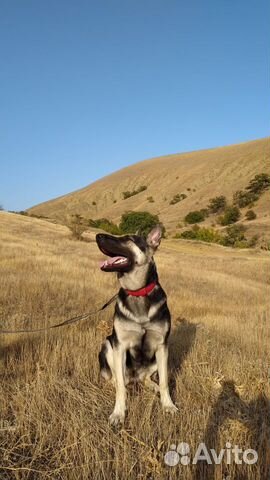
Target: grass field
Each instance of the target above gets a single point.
(54, 408)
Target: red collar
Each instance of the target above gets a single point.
(142, 292)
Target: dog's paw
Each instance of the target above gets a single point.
(116, 419)
(170, 408)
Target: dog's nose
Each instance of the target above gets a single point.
(99, 236)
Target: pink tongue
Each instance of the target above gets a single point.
(112, 260)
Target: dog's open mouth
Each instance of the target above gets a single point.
(118, 256)
(114, 262)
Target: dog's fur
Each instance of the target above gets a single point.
(138, 345)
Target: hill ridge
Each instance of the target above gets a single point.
(200, 174)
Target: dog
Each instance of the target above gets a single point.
(138, 345)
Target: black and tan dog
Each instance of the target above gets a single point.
(138, 344)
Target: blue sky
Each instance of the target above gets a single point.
(87, 87)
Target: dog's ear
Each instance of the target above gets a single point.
(154, 237)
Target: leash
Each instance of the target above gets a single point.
(69, 321)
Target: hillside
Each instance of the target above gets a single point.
(199, 175)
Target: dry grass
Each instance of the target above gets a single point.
(200, 175)
(54, 409)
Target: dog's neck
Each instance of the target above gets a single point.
(140, 277)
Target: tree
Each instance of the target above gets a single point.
(251, 215)
(196, 216)
(243, 198)
(231, 215)
(259, 183)
(141, 222)
(235, 236)
(217, 204)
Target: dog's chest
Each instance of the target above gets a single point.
(137, 310)
(134, 325)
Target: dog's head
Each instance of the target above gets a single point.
(128, 252)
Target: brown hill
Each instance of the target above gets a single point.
(200, 175)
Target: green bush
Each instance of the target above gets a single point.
(140, 222)
(259, 183)
(250, 215)
(129, 193)
(203, 234)
(196, 216)
(177, 198)
(235, 237)
(231, 215)
(106, 225)
(208, 235)
(217, 204)
(243, 198)
(188, 235)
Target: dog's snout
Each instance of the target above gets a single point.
(99, 237)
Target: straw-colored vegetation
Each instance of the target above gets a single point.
(179, 184)
(54, 409)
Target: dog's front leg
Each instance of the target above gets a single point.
(119, 361)
(162, 366)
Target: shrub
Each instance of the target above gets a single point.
(177, 198)
(208, 235)
(196, 216)
(217, 204)
(150, 199)
(77, 226)
(259, 183)
(129, 194)
(231, 215)
(94, 203)
(188, 234)
(235, 236)
(253, 241)
(21, 212)
(243, 198)
(141, 222)
(106, 225)
(250, 215)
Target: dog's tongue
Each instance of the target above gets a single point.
(112, 261)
